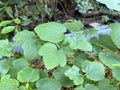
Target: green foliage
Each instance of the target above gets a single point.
(54, 60)
(48, 83)
(112, 4)
(24, 77)
(57, 57)
(54, 32)
(73, 74)
(9, 84)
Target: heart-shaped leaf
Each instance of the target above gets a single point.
(52, 31)
(52, 57)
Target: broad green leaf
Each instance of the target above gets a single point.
(21, 37)
(7, 29)
(51, 31)
(4, 23)
(105, 85)
(109, 58)
(31, 49)
(9, 11)
(17, 21)
(115, 33)
(48, 84)
(116, 71)
(52, 57)
(27, 40)
(60, 76)
(4, 67)
(90, 87)
(79, 42)
(28, 74)
(95, 71)
(5, 48)
(10, 84)
(73, 74)
(74, 26)
(111, 4)
(85, 65)
(106, 42)
(20, 63)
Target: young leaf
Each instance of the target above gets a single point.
(73, 74)
(109, 58)
(79, 42)
(74, 26)
(4, 23)
(28, 75)
(48, 84)
(7, 29)
(52, 31)
(115, 33)
(60, 76)
(51, 56)
(10, 84)
(17, 21)
(95, 71)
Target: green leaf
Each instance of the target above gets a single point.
(60, 76)
(17, 21)
(115, 33)
(9, 11)
(116, 71)
(48, 84)
(79, 42)
(79, 88)
(28, 75)
(31, 49)
(27, 40)
(111, 4)
(21, 37)
(52, 57)
(105, 85)
(68, 50)
(52, 31)
(4, 23)
(10, 84)
(4, 67)
(73, 74)
(95, 71)
(74, 26)
(106, 42)
(20, 63)
(90, 87)
(5, 48)
(22, 88)
(7, 29)
(5, 77)
(109, 58)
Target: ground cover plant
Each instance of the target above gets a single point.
(58, 55)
